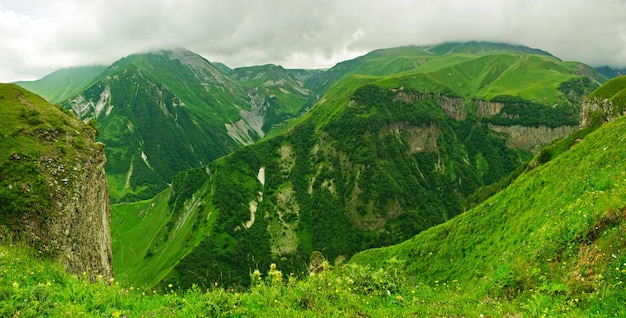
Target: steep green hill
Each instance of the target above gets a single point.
(554, 238)
(65, 83)
(53, 191)
(606, 103)
(613, 90)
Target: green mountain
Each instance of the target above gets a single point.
(284, 93)
(63, 84)
(164, 112)
(337, 181)
(611, 72)
(446, 59)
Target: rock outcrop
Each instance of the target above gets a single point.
(487, 108)
(80, 232)
(53, 190)
(604, 108)
(452, 106)
(532, 138)
(606, 103)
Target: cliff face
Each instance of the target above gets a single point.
(604, 108)
(452, 106)
(527, 138)
(606, 103)
(53, 190)
(80, 230)
(487, 108)
(532, 138)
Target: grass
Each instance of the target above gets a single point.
(145, 259)
(30, 286)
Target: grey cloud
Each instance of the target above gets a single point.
(303, 33)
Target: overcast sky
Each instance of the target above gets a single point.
(40, 36)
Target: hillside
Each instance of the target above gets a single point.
(164, 112)
(63, 84)
(339, 189)
(53, 191)
(447, 57)
(552, 239)
(337, 181)
(550, 244)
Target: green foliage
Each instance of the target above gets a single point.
(544, 156)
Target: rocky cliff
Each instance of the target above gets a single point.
(532, 139)
(528, 138)
(80, 231)
(53, 190)
(606, 103)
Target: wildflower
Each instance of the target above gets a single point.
(16, 285)
(169, 285)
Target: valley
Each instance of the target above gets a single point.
(453, 179)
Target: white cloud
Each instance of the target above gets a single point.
(40, 36)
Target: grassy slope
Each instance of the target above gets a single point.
(478, 70)
(63, 84)
(613, 90)
(555, 235)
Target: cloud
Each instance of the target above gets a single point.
(40, 36)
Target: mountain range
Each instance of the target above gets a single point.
(329, 156)
(549, 242)
(231, 169)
